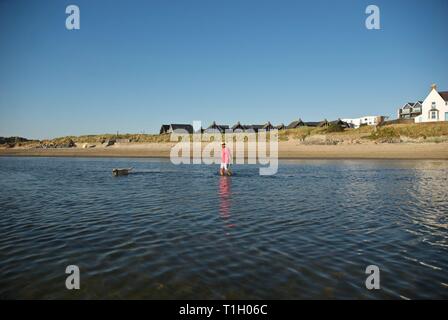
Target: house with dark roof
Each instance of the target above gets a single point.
(268, 126)
(410, 110)
(312, 123)
(238, 127)
(295, 124)
(255, 127)
(300, 123)
(319, 124)
(324, 123)
(217, 128)
(164, 128)
(175, 127)
(281, 126)
(434, 107)
(341, 123)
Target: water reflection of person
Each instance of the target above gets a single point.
(224, 196)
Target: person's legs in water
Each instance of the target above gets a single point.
(223, 169)
(229, 172)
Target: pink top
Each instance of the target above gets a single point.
(225, 155)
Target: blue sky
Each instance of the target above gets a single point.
(134, 65)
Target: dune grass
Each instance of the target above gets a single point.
(302, 133)
(389, 133)
(383, 133)
(421, 131)
(431, 132)
(144, 138)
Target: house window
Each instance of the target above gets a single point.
(433, 105)
(433, 115)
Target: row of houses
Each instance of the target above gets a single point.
(433, 108)
(238, 127)
(325, 123)
(217, 128)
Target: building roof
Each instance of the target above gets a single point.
(312, 123)
(164, 128)
(411, 105)
(280, 126)
(255, 127)
(324, 123)
(219, 127)
(338, 122)
(444, 95)
(268, 125)
(186, 127)
(238, 125)
(295, 124)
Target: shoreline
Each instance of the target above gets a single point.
(397, 151)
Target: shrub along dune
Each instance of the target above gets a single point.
(394, 141)
(334, 134)
(422, 132)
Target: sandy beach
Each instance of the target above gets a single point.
(287, 150)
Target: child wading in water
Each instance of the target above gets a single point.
(225, 160)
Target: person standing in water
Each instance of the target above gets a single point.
(225, 159)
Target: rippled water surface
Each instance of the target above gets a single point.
(170, 231)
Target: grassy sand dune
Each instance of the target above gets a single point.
(398, 141)
(432, 132)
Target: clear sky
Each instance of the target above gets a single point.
(134, 65)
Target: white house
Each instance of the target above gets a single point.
(367, 120)
(434, 107)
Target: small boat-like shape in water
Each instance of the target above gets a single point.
(121, 171)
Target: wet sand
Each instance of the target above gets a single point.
(287, 150)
